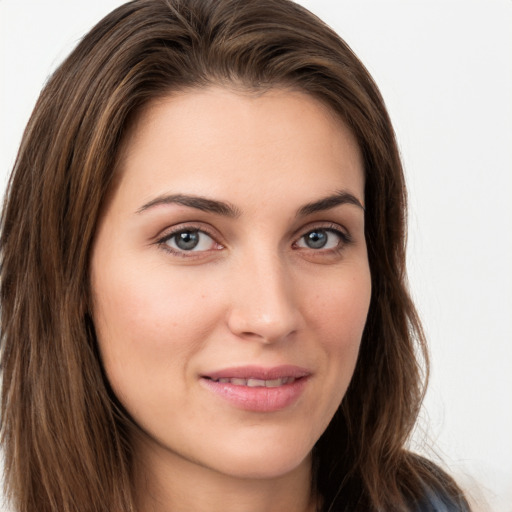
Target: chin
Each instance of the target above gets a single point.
(264, 462)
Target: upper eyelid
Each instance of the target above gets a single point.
(327, 225)
(169, 232)
(162, 242)
(344, 238)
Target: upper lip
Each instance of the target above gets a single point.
(258, 372)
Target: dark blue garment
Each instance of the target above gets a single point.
(439, 501)
(433, 501)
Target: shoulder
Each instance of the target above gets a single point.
(423, 487)
(441, 501)
(440, 492)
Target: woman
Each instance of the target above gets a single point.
(175, 336)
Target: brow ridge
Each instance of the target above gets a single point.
(326, 203)
(229, 210)
(192, 201)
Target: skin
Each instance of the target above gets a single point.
(253, 292)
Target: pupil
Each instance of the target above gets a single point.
(316, 239)
(187, 240)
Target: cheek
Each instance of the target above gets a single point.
(337, 313)
(148, 325)
(153, 304)
(339, 308)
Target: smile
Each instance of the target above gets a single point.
(258, 389)
(257, 383)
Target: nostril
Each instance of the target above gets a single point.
(264, 306)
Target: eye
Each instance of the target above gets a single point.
(189, 240)
(322, 238)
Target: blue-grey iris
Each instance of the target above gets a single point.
(187, 240)
(316, 239)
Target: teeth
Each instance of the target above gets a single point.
(257, 383)
(275, 383)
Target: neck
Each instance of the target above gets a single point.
(166, 482)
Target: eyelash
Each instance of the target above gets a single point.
(345, 239)
(163, 241)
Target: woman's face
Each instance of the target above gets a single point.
(230, 278)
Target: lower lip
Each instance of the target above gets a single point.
(258, 399)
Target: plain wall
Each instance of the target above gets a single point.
(445, 71)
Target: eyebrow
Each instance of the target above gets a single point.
(326, 203)
(229, 210)
(198, 202)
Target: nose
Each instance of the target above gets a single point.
(263, 303)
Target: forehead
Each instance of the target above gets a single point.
(211, 138)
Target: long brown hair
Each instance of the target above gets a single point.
(63, 432)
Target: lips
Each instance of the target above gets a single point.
(258, 389)
(260, 373)
(257, 383)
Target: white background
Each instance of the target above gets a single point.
(445, 71)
